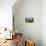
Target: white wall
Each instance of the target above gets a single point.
(43, 22)
(29, 8)
(6, 13)
(6, 18)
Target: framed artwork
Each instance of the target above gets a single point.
(29, 19)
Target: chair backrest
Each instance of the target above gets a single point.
(18, 37)
(29, 43)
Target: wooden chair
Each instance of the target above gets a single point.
(29, 43)
(18, 39)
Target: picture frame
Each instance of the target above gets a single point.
(29, 19)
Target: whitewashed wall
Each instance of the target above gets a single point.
(29, 8)
(43, 22)
(37, 30)
(6, 13)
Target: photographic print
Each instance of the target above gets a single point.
(29, 19)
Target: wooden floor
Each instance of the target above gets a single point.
(17, 40)
(9, 43)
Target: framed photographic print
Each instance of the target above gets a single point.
(29, 19)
